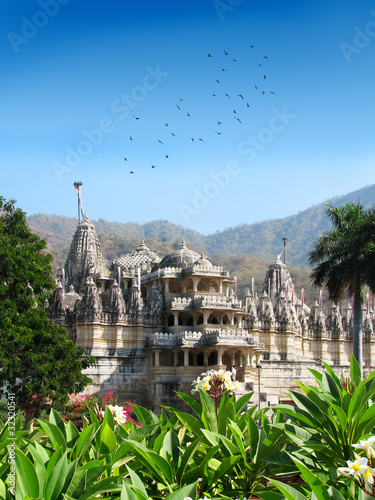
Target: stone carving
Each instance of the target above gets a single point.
(135, 303)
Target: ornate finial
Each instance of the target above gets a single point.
(183, 244)
(142, 247)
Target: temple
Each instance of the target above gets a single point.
(155, 324)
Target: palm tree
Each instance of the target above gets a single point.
(345, 260)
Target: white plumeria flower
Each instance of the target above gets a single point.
(365, 444)
(358, 467)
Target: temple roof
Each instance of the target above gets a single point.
(142, 255)
(181, 258)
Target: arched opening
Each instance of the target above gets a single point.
(166, 358)
(202, 286)
(213, 286)
(174, 286)
(200, 359)
(189, 285)
(185, 319)
(212, 358)
(213, 319)
(227, 361)
(200, 320)
(170, 320)
(191, 359)
(180, 359)
(226, 320)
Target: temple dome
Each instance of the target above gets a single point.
(181, 258)
(203, 262)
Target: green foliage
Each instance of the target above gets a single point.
(37, 361)
(327, 420)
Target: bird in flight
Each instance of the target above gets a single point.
(255, 87)
(214, 95)
(131, 172)
(166, 156)
(188, 114)
(239, 95)
(173, 134)
(131, 138)
(201, 139)
(218, 133)
(209, 55)
(217, 81)
(153, 166)
(234, 111)
(160, 141)
(178, 107)
(259, 64)
(248, 105)
(219, 123)
(222, 69)
(272, 93)
(238, 119)
(234, 60)
(136, 117)
(125, 159)
(192, 139)
(228, 95)
(179, 98)
(225, 52)
(265, 57)
(263, 92)
(264, 77)
(251, 46)
(166, 124)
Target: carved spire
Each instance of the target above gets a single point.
(85, 256)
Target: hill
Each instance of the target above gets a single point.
(245, 250)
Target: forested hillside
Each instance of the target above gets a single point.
(245, 250)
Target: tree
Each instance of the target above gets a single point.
(37, 360)
(345, 258)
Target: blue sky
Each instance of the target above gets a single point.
(76, 75)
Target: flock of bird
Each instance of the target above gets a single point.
(240, 101)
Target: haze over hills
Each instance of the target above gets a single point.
(262, 239)
(245, 250)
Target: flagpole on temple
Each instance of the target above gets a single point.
(284, 240)
(78, 185)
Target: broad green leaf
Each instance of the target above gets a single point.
(155, 462)
(103, 486)
(189, 400)
(239, 438)
(288, 491)
(367, 421)
(108, 441)
(26, 478)
(243, 402)
(317, 486)
(137, 481)
(55, 418)
(54, 433)
(171, 446)
(357, 399)
(56, 479)
(188, 454)
(127, 493)
(225, 467)
(355, 371)
(84, 441)
(72, 434)
(187, 491)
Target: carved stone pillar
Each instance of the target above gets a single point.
(157, 359)
(186, 355)
(166, 285)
